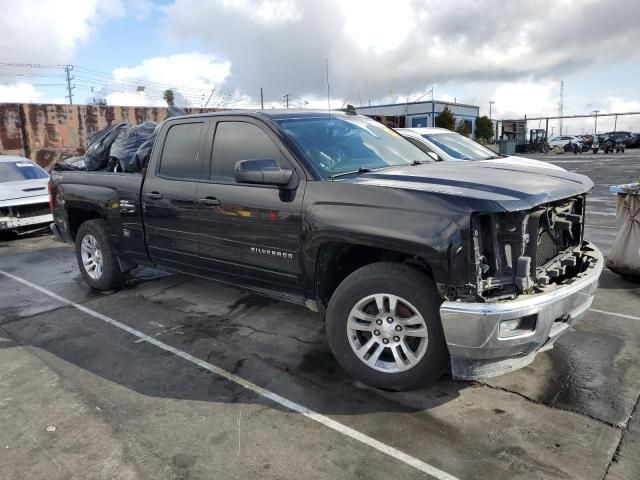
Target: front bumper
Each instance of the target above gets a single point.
(472, 330)
(13, 223)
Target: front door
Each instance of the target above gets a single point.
(168, 196)
(249, 234)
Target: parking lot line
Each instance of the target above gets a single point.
(274, 397)
(631, 317)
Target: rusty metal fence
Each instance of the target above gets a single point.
(48, 133)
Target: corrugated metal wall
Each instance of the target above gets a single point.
(49, 133)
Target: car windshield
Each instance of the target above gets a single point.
(342, 144)
(18, 171)
(460, 147)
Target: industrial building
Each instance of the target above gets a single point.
(419, 114)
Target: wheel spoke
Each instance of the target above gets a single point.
(398, 359)
(393, 303)
(360, 326)
(373, 358)
(407, 351)
(414, 320)
(380, 303)
(416, 332)
(362, 351)
(361, 315)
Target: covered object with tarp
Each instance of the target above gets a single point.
(624, 258)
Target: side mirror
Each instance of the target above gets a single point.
(263, 171)
(433, 155)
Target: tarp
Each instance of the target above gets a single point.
(624, 258)
(97, 155)
(127, 143)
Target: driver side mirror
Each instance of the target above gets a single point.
(263, 172)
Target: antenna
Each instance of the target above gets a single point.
(326, 60)
(561, 105)
(326, 63)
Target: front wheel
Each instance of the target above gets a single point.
(383, 326)
(96, 257)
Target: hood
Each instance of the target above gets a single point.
(509, 186)
(23, 189)
(524, 162)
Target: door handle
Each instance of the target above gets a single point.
(153, 196)
(210, 201)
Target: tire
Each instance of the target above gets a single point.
(96, 257)
(413, 290)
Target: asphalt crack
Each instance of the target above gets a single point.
(554, 407)
(625, 431)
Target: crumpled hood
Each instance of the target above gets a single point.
(513, 187)
(23, 189)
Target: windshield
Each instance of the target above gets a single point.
(460, 147)
(341, 144)
(18, 171)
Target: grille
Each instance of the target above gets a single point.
(25, 211)
(547, 248)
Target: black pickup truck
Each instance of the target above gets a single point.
(415, 265)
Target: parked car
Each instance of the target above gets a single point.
(414, 265)
(563, 140)
(445, 145)
(24, 202)
(626, 137)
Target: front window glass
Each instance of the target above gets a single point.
(460, 147)
(18, 171)
(342, 144)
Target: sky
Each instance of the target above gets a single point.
(222, 52)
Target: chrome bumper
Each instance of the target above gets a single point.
(472, 330)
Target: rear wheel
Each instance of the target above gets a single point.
(96, 257)
(383, 326)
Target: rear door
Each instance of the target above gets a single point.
(169, 192)
(249, 234)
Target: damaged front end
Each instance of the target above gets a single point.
(22, 218)
(522, 252)
(532, 276)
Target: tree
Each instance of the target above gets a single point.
(445, 119)
(484, 128)
(168, 97)
(462, 128)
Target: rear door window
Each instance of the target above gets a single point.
(180, 157)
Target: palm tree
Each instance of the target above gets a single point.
(168, 97)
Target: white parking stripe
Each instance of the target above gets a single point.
(622, 315)
(326, 421)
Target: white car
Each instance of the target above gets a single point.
(24, 197)
(562, 140)
(443, 144)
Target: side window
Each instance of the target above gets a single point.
(235, 141)
(180, 151)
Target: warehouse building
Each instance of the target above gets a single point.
(419, 114)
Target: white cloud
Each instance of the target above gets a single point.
(48, 31)
(191, 76)
(19, 93)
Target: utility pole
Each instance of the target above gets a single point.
(209, 99)
(491, 102)
(286, 97)
(67, 70)
(595, 128)
(615, 123)
(261, 99)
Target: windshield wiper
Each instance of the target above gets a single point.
(352, 172)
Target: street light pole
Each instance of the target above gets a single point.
(595, 128)
(491, 102)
